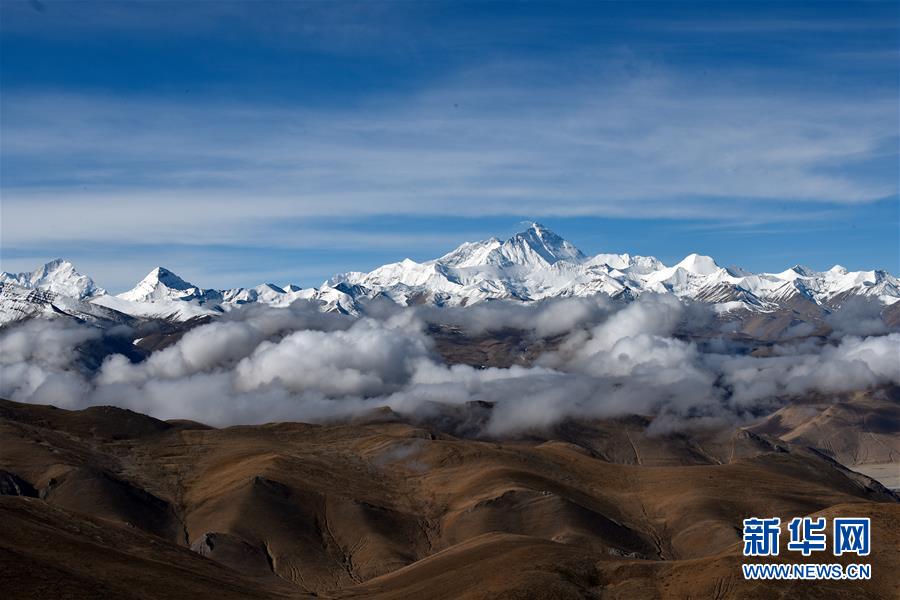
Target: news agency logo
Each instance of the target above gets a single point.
(852, 536)
(807, 536)
(761, 536)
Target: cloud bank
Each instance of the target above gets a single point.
(261, 364)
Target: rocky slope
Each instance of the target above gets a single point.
(130, 506)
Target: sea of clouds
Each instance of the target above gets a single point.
(260, 364)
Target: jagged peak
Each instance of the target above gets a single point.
(167, 278)
(536, 245)
(58, 276)
(536, 227)
(161, 283)
(55, 263)
(543, 242)
(803, 270)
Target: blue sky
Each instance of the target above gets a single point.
(236, 143)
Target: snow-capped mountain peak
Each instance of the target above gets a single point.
(698, 264)
(167, 278)
(58, 276)
(537, 245)
(797, 271)
(268, 293)
(534, 247)
(161, 284)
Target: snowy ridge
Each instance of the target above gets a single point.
(532, 265)
(163, 294)
(18, 303)
(58, 276)
(537, 264)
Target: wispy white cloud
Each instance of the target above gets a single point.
(654, 144)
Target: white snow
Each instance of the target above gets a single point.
(531, 265)
(537, 263)
(58, 276)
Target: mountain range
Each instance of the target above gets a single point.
(532, 265)
(122, 505)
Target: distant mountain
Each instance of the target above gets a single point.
(162, 284)
(18, 303)
(534, 264)
(537, 264)
(58, 276)
(164, 294)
